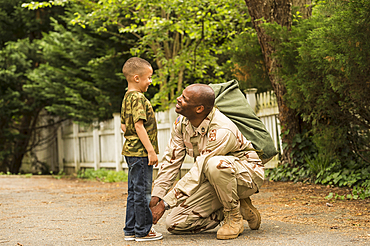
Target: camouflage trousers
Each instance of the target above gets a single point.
(227, 181)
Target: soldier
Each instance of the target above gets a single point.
(226, 171)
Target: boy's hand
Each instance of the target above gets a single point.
(123, 127)
(153, 159)
(157, 211)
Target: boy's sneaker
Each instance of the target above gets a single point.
(130, 238)
(152, 235)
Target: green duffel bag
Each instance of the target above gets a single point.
(233, 103)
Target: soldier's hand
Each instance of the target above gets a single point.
(154, 201)
(158, 211)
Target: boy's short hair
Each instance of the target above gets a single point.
(134, 65)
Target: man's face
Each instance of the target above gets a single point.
(186, 105)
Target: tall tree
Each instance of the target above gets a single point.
(247, 63)
(184, 38)
(17, 23)
(280, 12)
(71, 72)
(326, 68)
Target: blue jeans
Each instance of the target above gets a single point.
(139, 218)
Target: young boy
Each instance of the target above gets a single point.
(140, 149)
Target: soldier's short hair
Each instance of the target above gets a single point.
(135, 65)
(205, 96)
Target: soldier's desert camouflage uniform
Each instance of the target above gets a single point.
(135, 106)
(226, 170)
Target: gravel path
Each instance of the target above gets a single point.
(47, 211)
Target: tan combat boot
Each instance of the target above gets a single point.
(250, 213)
(232, 225)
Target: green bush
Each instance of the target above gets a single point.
(327, 173)
(318, 163)
(302, 146)
(324, 63)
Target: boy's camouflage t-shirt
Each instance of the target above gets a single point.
(136, 106)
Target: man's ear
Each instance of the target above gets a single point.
(199, 109)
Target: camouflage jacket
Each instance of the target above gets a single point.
(217, 135)
(136, 106)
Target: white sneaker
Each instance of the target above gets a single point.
(152, 235)
(130, 238)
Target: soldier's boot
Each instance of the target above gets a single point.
(250, 213)
(232, 225)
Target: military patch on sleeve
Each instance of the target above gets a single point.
(178, 119)
(212, 135)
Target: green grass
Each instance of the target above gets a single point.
(103, 175)
(26, 175)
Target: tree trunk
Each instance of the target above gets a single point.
(278, 11)
(21, 145)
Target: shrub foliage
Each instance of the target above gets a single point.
(326, 68)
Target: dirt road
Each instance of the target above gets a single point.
(46, 211)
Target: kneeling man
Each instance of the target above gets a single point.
(226, 171)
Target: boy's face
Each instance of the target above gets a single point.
(144, 80)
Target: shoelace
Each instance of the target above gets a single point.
(228, 218)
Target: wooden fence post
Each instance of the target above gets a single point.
(76, 147)
(117, 140)
(96, 145)
(250, 94)
(60, 149)
(172, 114)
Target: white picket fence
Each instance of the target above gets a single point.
(268, 112)
(99, 145)
(266, 108)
